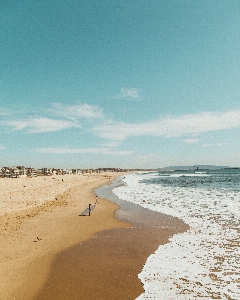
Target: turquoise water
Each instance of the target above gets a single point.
(204, 262)
(207, 179)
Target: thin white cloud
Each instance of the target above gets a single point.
(191, 141)
(111, 144)
(172, 126)
(82, 151)
(130, 93)
(76, 111)
(3, 112)
(213, 145)
(38, 125)
(2, 148)
(68, 116)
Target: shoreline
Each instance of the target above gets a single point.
(41, 248)
(107, 265)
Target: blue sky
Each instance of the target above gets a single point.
(117, 83)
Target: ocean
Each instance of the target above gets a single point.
(203, 262)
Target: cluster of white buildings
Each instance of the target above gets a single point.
(21, 171)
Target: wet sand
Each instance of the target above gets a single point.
(106, 266)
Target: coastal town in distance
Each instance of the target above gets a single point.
(21, 171)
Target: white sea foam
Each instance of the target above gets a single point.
(202, 263)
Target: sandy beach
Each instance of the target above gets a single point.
(48, 251)
(39, 219)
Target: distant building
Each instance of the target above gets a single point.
(15, 173)
(31, 172)
(46, 171)
(76, 171)
(6, 172)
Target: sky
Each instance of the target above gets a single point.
(119, 83)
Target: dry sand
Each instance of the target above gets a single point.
(39, 218)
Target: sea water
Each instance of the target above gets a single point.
(203, 262)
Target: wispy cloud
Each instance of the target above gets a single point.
(59, 117)
(172, 126)
(82, 151)
(2, 148)
(130, 93)
(76, 111)
(3, 112)
(111, 144)
(38, 125)
(191, 141)
(213, 145)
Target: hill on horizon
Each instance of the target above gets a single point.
(195, 167)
